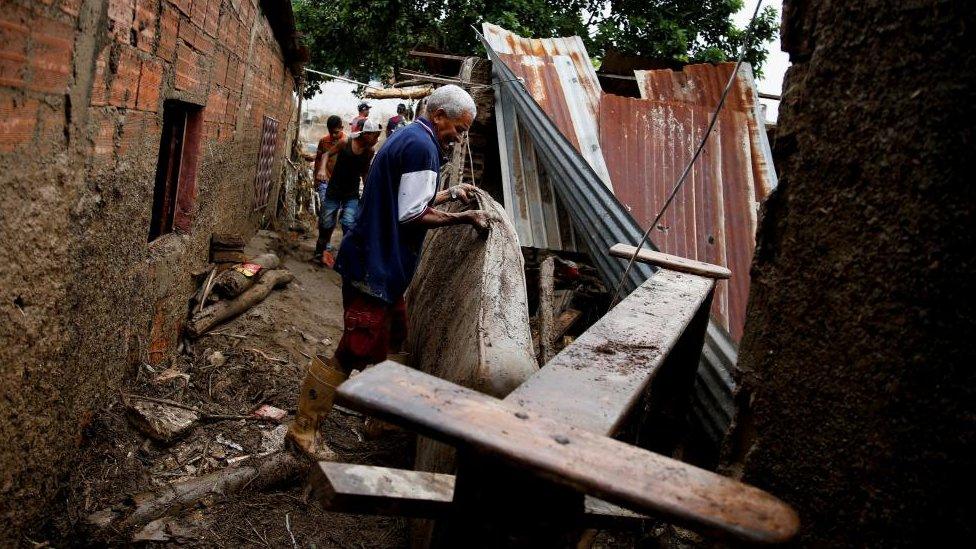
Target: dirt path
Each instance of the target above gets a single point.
(257, 358)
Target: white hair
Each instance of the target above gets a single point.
(453, 99)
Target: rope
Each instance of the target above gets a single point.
(687, 170)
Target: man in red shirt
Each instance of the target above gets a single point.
(357, 123)
(325, 160)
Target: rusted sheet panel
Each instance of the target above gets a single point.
(559, 76)
(644, 144)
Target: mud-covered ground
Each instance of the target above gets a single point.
(255, 359)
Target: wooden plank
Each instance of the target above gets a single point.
(366, 489)
(433, 55)
(565, 321)
(545, 309)
(593, 383)
(671, 262)
(569, 456)
(429, 77)
(375, 490)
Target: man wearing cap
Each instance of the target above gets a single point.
(357, 123)
(379, 255)
(398, 121)
(342, 194)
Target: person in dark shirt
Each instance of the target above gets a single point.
(356, 124)
(398, 121)
(353, 157)
(379, 255)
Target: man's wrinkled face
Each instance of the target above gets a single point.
(449, 130)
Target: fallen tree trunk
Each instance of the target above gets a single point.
(206, 319)
(416, 92)
(142, 508)
(232, 282)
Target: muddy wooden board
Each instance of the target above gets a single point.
(593, 383)
(569, 456)
(671, 262)
(375, 490)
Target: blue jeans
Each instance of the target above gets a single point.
(327, 219)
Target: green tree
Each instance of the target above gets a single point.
(371, 39)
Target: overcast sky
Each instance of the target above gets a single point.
(337, 97)
(776, 63)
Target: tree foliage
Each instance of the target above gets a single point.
(371, 39)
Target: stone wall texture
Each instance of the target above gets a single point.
(857, 371)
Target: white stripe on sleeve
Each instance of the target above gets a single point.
(416, 191)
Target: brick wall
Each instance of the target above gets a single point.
(82, 89)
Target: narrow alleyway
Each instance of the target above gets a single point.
(257, 358)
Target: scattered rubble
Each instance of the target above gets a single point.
(162, 422)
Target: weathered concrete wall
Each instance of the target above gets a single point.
(84, 297)
(857, 366)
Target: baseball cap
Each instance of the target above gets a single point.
(368, 127)
(363, 105)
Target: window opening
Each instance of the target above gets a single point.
(262, 180)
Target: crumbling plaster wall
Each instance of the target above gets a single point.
(85, 298)
(856, 369)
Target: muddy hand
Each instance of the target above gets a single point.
(465, 192)
(480, 220)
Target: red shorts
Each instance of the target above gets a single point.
(372, 328)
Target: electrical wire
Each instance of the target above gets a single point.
(694, 158)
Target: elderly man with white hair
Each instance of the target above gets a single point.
(378, 256)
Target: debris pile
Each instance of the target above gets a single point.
(236, 289)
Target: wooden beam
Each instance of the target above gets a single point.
(594, 383)
(433, 55)
(568, 456)
(413, 92)
(375, 490)
(671, 262)
(430, 77)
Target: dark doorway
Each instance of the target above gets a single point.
(176, 167)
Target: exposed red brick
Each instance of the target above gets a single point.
(50, 55)
(213, 17)
(169, 24)
(99, 96)
(145, 23)
(18, 118)
(103, 137)
(150, 80)
(140, 132)
(192, 35)
(126, 82)
(198, 13)
(216, 105)
(230, 113)
(121, 13)
(189, 69)
(182, 5)
(13, 46)
(161, 335)
(219, 74)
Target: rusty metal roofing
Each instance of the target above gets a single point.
(638, 147)
(601, 218)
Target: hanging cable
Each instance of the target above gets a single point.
(684, 175)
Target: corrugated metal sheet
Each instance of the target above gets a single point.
(638, 147)
(652, 138)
